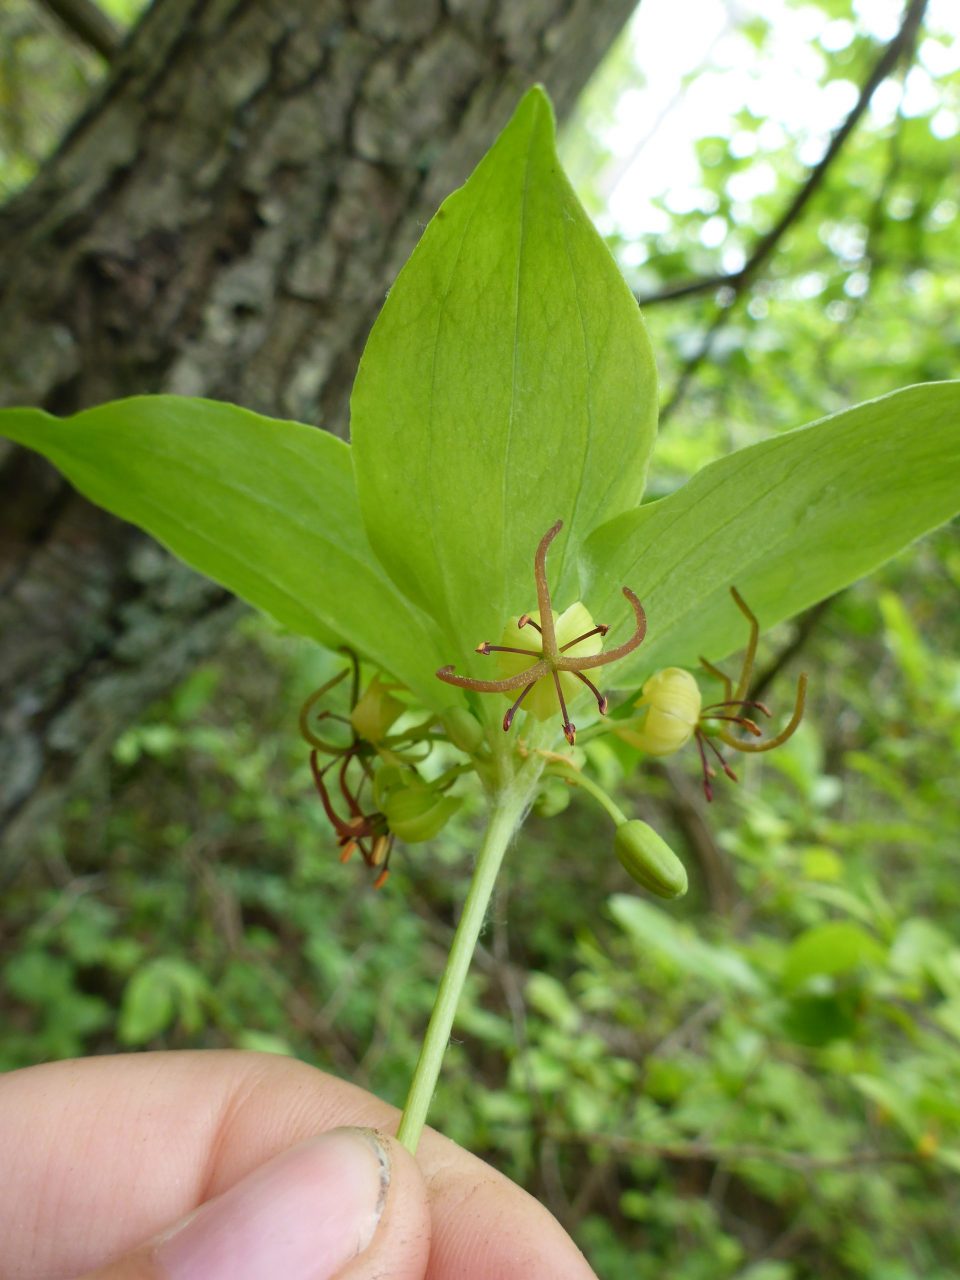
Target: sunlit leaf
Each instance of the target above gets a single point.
(508, 383)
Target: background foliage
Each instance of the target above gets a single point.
(761, 1082)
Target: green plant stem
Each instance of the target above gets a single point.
(578, 779)
(509, 804)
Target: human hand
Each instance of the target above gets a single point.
(108, 1158)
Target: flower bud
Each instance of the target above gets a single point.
(670, 708)
(387, 779)
(375, 712)
(415, 814)
(649, 860)
(463, 730)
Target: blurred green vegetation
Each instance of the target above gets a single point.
(761, 1082)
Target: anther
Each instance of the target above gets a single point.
(735, 702)
(597, 631)
(569, 730)
(508, 718)
(486, 648)
(745, 722)
(602, 703)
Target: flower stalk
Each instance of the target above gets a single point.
(509, 803)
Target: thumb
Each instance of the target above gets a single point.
(350, 1204)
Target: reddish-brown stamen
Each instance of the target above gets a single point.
(486, 648)
(569, 730)
(553, 659)
(745, 722)
(719, 754)
(733, 702)
(508, 718)
(601, 698)
(708, 772)
(600, 630)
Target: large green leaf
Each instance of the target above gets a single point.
(267, 508)
(507, 383)
(787, 522)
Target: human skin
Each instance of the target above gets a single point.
(101, 1155)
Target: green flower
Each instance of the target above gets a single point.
(564, 653)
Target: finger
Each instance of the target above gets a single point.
(110, 1151)
(349, 1205)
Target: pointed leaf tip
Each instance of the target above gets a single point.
(536, 103)
(509, 349)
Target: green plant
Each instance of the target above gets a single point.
(508, 386)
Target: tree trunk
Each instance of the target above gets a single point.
(224, 221)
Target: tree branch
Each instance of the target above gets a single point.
(899, 48)
(734, 284)
(802, 1161)
(87, 21)
(807, 624)
(685, 803)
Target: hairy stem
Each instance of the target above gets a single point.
(509, 804)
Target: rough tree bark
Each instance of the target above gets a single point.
(224, 221)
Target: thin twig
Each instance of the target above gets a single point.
(899, 47)
(687, 811)
(87, 21)
(591, 1188)
(702, 1151)
(807, 624)
(733, 285)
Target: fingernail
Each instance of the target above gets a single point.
(303, 1216)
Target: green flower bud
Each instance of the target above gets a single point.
(463, 730)
(670, 713)
(649, 860)
(553, 798)
(375, 712)
(387, 779)
(415, 814)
